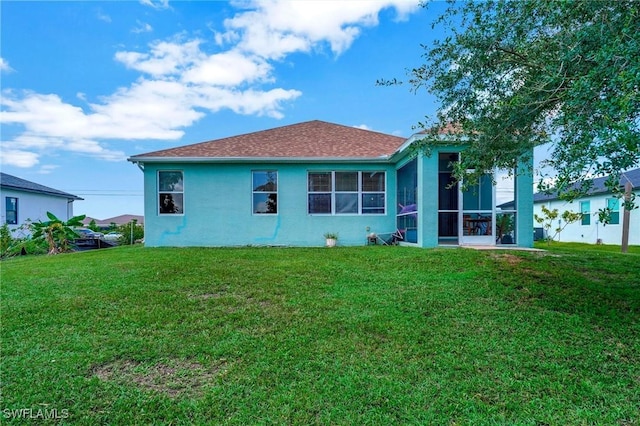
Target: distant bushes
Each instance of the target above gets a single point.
(55, 236)
(129, 230)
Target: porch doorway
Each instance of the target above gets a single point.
(448, 200)
(407, 193)
(477, 212)
(483, 213)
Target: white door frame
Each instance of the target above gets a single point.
(490, 227)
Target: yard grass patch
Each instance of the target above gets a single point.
(358, 335)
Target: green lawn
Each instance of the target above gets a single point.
(363, 335)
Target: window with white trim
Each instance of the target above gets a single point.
(11, 210)
(265, 192)
(170, 192)
(373, 192)
(613, 205)
(346, 192)
(585, 209)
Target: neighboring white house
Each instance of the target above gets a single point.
(24, 200)
(589, 229)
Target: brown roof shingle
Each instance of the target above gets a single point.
(311, 139)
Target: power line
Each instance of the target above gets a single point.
(109, 195)
(107, 192)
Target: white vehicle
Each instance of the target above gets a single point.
(112, 236)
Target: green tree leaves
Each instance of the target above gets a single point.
(516, 74)
(56, 233)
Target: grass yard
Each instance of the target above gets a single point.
(363, 335)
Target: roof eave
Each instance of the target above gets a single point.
(35, 191)
(554, 197)
(442, 140)
(381, 159)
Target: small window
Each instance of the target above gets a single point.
(11, 210)
(265, 192)
(613, 204)
(170, 192)
(585, 209)
(346, 192)
(320, 188)
(373, 192)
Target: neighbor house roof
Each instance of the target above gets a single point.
(118, 220)
(598, 186)
(309, 140)
(12, 182)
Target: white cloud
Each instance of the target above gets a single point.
(164, 58)
(139, 112)
(156, 4)
(26, 149)
(149, 109)
(228, 69)
(4, 66)
(363, 127)
(247, 102)
(103, 16)
(273, 29)
(182, 79)
(18, 158)
(45, 169)
(142, 27)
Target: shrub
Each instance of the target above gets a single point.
(127, 229)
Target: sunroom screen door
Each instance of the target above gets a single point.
(477, 220)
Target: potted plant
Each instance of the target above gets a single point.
(331, 239)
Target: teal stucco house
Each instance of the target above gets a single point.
(290, 185)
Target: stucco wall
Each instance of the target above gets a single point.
(218, 208)
(576, 232)
(524, 204)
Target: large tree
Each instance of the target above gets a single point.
(516, 74)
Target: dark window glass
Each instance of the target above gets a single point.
(372, 181)
(319, 203)
(170, 192)
(11, 210)
(320, 182)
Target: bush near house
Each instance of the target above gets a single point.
(17, 242)
(352, 335)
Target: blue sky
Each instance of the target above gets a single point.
(87, 84)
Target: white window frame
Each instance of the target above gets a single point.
(585, 213)
(361, 211)
(6, 210)
(606, 201)
(160, 192)
(254, 192)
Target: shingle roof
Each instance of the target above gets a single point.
(598, 187)
(307, 140)
(118, 220)
(12, 182)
